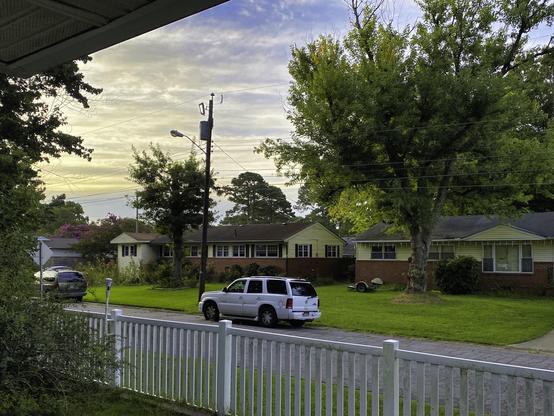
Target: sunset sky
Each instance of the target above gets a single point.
(154, 83)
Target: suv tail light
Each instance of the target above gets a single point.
(289, 303)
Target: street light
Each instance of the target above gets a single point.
(177, 133)
(205, 134)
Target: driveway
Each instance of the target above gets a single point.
(522, 355)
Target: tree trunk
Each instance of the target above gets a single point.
(177, 258)
(417, 275)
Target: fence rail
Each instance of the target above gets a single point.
(247, 372)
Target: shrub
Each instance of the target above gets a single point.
(458, 276)
(97, 271)
(251, 269)
(269, 270)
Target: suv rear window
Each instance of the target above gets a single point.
(278, 287)
(302, 289)
(69, 276)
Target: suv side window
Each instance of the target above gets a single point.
(237, 287)
(255, 286)
(278, 287)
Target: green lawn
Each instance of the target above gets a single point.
(475, 318)
(119, 403)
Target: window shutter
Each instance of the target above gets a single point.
(247, 250)
(326, 250)
(296, 250)
(310, 251)
(280, 250)
(214, 253)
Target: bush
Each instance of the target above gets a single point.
(46, 353)
(269, 270)
(458, 276)
(97, 271)
(251, 269)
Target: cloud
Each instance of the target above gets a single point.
(155, 82)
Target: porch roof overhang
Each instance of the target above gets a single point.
(36, 35)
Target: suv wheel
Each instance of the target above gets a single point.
(267, 317)
(211, 312)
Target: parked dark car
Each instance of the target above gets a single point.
(64, 283)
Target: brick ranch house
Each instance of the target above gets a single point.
(514, 254)
(296, 249)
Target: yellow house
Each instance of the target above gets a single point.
(295, 249)
(513, 254)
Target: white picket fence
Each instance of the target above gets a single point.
(247, 372)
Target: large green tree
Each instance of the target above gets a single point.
(318, 212)
(60, 211)
(171, 196)
(256, 201)
(45, 357)
(448, 115)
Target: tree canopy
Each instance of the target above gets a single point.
(171, 196)
(256, 201)
(59, 211)
(449, 115)
(94, 242)
(42, 363)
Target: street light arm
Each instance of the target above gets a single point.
(177, 133)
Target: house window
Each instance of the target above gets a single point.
(331, 251)
(499, 258)
(166, 251)
(239, 251)
(380, 252)
(266, 250)
(129, 250)
(222, 251)
(441, 252)
(304, 250)
(194, 251)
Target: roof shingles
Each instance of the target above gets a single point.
(449, 228)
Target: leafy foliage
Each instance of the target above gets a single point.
(256, 201)
(458, 276)
(94, 243)
(45, 354)
(448, 116)
(60, 212)
(171, 196)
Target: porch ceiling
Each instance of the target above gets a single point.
(38, 34)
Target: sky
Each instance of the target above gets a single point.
(155, 82)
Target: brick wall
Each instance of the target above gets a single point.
(319, 267)
(395, 271)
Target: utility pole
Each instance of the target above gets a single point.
(206, 134)
(136, 213)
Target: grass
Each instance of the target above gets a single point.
(471, 318)
(120, 403)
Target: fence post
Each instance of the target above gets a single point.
(391, 392)
(224, 368)
(118, 343)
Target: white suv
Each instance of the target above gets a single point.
(265, 299)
